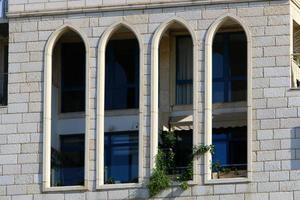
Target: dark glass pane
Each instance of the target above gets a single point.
(230, 147)
(6, 59)
(121, 157)
(4, 78)
(122, 74)
(67, 164)
(239, 90)
(218, 58)
(3, 89)
(229, 67)
(184, 70)
(183, 150)
(238, 55)
(219, 91)
(181, 144)
(72, 77)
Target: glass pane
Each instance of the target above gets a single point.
(230, 147)
(179, 143)
(239, 90)
(122, 74)
(184, 70)
(230, 67)
(67, 160)
(218, 92)
(238, 55)
(3, 89)
(121, 157)
(183, 150)
(4, 78)
(218, 58)
(72, 77)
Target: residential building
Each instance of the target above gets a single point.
(88, 88)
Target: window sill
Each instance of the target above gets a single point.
(119, 186)
(227, 181)
(3, 109)
(65, 188)
(190, 183)
(294, 89)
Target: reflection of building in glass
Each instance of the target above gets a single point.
(229, 101)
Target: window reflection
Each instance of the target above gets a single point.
(68, 96)
(72, 77)
(229, 67)
(67, 162)
(122, 74)
(230, 147)
(121, 157)
(229, 93)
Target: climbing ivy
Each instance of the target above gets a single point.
(160, 178)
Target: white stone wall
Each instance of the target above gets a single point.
(16, 6)
(276, 108)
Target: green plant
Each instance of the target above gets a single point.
(202, 149)
(216, 167)
(186, 176)
(110, 180)
(161, 177)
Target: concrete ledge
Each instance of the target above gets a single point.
(127, 7)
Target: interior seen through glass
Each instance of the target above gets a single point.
(122, 72)
(68, 107)
(3, 63)
(229, 93)
(121, 157)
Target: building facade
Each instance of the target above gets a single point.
(90, 90)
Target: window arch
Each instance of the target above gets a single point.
(60, 116)
(119, 39)
(172, 36)
(227, 34)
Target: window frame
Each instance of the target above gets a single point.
(294, 21)
(154, 125)
(47, 98)
(208, 98)
(101, 113)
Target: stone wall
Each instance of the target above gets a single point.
(276, 108)
(19, 6)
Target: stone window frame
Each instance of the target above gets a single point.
(208, 98)
(47, 99)
(155, 90)
(293, 18)
(101, 107)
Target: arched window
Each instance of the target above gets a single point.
(173, 93)
(295, 57)
(119, 124)
(228, 97)
(65, 117)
